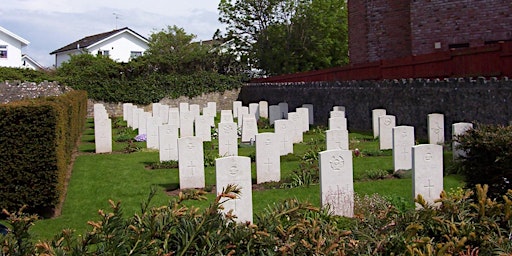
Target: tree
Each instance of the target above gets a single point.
(286, 36)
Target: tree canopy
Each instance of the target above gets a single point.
(287, 36)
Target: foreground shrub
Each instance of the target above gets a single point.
(488, 157)
(463, 223)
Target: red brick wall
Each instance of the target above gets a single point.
(379, 29)
(388, 29)
(459, 22)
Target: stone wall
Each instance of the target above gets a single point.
(484, 101)
(224, 101)
(16, 90)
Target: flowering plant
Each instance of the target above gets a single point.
(141, 137)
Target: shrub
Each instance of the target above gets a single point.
(488, 157)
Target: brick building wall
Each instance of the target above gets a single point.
(461, 22)
(389, 29)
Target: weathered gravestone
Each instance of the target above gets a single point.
(268, 164)
(283, 106)
(168, 142)
(311, 117)
(274, 113)
(283, 129)
(226, 116)
(228, 139)
(191, 162)
(304, 118)
(203, 128)
(376, 113)
(236, 106)
(249, 128)
(254, 110)
(386, 124)
(337, 123)
(152, 132)
(336, 139)
(186, 124)
(436, 128)
(235, 170)
(459, 129)
(336, 182)
(263, 109)
(427, 171)
(294, 118)
(403, 141)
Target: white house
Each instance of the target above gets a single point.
(28, 62)
(10, 48)
(120, 45)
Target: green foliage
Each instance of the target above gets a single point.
(286, 36)
(376, 174)
(488, 157)
(24, 74)
(164, 165)
(39, 137)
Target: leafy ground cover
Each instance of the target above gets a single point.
(126, 176)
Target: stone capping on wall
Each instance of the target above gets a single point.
(16, 90)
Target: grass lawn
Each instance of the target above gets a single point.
(124, 177)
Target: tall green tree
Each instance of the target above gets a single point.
(287, 36)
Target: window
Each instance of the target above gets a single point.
(134, 54)
(106, 53)
(3, 51)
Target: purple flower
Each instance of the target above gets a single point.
(141, 137)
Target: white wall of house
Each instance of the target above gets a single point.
(64, 56)
(120, 47)
(13, 48)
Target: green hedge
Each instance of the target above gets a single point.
(38, 140)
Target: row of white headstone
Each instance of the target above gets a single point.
(102, 129)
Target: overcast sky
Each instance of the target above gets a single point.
(51, 24)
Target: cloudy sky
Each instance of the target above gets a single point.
(51, 24)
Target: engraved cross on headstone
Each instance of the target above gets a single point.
(192, 167)
(430, 186)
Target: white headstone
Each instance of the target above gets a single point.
(213, 107)
(195, 110)
(135, 117)
(268, 164)
(103, 134)
(155, 109)
(236, 170)
(241, 112)
(337, 139)
(164, 113)
(338, 123)
(203, 127)
(127, 112)
(249, 128)
(143, 122)
(228, 139)
(459, 129)
(191, 162)
(376, 113)
(296, 127)
(339, 108)
(236, 106)
(254, 110)
(436, 128)
(226, 116)
(283, 130)
(304, 117)
(310, 112)
(184, 107)
(168, 142)
(386, 124)
(403, 141)
(337, 113)
(337, 182)
(283, 106)
(152, 132)
(174, 117)
(274, 113)
(186, 124)
(427, 171)
(263, 109)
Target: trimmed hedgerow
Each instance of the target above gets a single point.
(38, 139)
